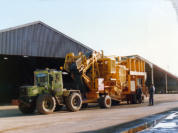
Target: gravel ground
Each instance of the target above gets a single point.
(93, 118)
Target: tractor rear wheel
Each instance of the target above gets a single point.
(27, 108)
(74, 102)
(105, 101)
(46, 104)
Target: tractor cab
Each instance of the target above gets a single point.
(41, 79)
(45, 81)
(49, 80)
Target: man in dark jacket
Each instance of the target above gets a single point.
(151, 92)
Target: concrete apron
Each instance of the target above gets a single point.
(91, 119)
(144, 125)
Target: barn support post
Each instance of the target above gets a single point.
(152, 75)
(166, 83)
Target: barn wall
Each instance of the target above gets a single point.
(159, 78)
(172, 85)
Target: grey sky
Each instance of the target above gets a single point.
(119, 27)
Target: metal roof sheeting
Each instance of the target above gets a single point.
(38, 39)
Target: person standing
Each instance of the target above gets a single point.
(151, 93)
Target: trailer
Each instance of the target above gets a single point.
(106, 79)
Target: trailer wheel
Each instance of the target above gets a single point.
(105, 101)
(74, 102)
(46, 104)
(27, 108)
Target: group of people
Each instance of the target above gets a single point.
(151, 91)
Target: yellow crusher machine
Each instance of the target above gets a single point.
(106, 79)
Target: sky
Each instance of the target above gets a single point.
(148, 28)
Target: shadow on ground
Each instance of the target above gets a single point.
(12, 113)
(15, 112)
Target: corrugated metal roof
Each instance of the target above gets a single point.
(38, 39)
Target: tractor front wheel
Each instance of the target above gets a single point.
(46, 104)
(74, 102)
(105, 101)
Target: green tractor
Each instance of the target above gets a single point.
(48, 94)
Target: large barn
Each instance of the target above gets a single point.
(28, 47)
(36, 45)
